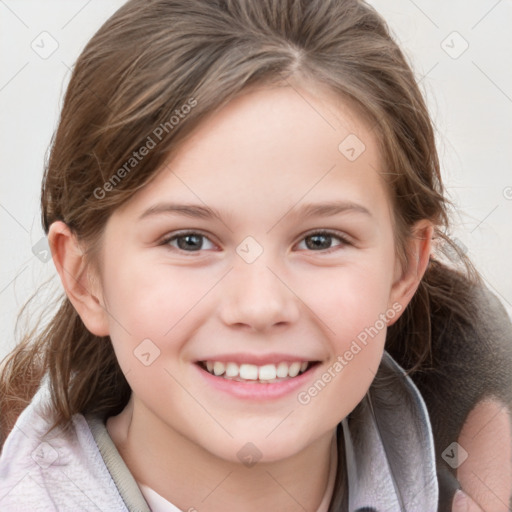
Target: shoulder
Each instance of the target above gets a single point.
(484, 439)
(59, 469)
(468, 392)
(484, 446)
(471, 361)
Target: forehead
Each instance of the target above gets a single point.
(274, 144)
(285, 120)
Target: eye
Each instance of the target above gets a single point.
(193, 241)
(322, 240)
(190, 241)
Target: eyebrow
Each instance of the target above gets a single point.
(330, 208)
(326, 209)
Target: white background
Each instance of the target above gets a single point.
(470, 98)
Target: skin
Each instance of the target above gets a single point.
(487, 471)
(257, 161)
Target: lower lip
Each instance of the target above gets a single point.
(255, 390)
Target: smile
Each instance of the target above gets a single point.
(264, 374)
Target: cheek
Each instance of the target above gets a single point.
(148, 300)
(349, 299)
(353, 306)
(154, 302)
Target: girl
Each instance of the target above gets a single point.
(241, 202)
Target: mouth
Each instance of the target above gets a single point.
(262, 374)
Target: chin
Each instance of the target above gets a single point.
(250, 446)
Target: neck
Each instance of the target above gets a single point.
(192, 478)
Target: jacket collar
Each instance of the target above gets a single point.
(389, 447)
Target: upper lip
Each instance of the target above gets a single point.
(258, 359)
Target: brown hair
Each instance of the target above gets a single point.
(170, 63)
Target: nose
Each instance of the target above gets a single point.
(256, 297)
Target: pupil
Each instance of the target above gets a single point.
(317, 241)
(190, 242)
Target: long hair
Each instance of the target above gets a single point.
(155, 70)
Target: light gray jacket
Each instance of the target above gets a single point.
(387, 441)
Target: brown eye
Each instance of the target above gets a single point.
(188, 242)
(323, 240)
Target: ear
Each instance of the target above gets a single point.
(406, 280)
(76, 277)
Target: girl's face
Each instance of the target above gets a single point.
(264, 247)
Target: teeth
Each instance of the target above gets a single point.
(294, 369)
(267, 373)
(231, 369)
(282, 370)
(248, 372)
(218, 368)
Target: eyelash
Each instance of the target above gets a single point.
(334, 234)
